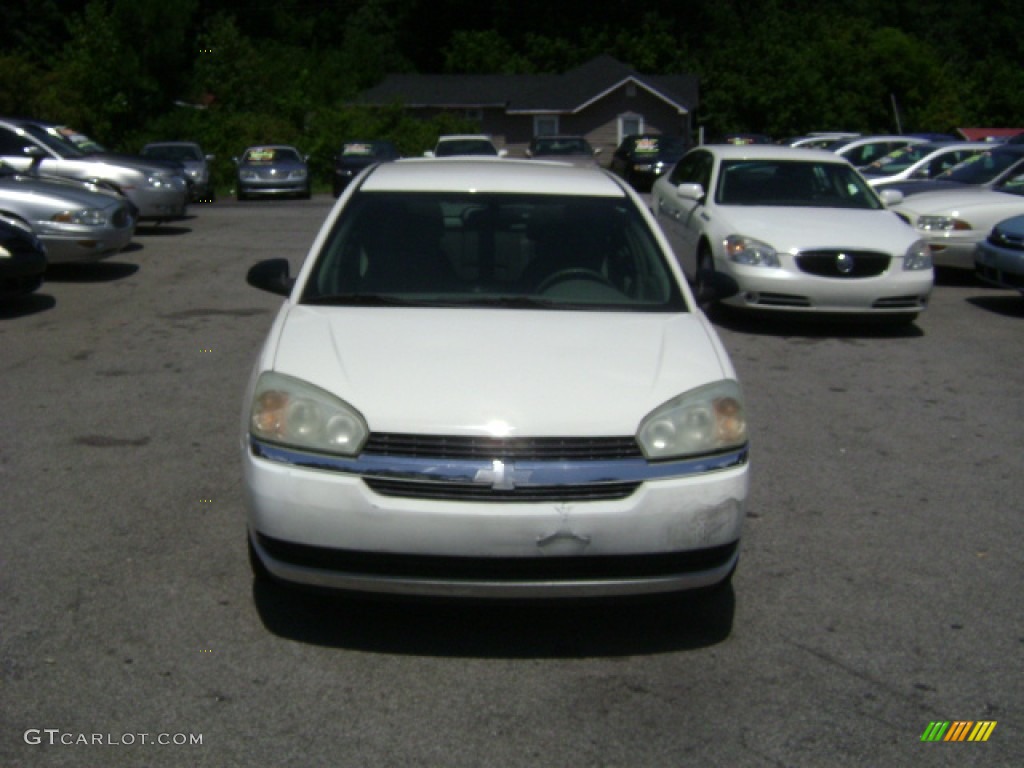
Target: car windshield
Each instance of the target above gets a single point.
(793, 183)
(450, 148)
(272, 155)
(1013, 184)
(981, 168)
(174, 152)
(645, 146)
(367, 149)
(513, 251)
(54, 141)
(899, 160)
(561, 146)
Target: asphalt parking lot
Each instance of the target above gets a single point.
(879, 589)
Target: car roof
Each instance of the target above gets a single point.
(476, 174)
(769, 152)
(170, 144)
(464, 137)
(861, 140)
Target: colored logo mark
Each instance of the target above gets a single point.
(958, 730)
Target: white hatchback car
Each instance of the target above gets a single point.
(489, 378)
(789, 229)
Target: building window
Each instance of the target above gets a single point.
(630, 125)
(545, 126)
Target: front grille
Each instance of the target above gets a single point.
(843, 264)
(507, 569)
(439, 491)
(504, 449)
(993, 275)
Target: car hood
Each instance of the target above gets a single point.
(133, 161)
(43, 194)
(962, 201)
(795, 229)
(497, 372)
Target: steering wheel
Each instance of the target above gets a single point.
(573, 273)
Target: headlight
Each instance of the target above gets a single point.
(297, 174)
(247, 175)
(751, 252)
(295, 413)
(706, 420)
(643, 167)
(158, 180)
(918, 256)
(941, 224)
(87, 217)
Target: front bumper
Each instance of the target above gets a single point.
(953, 249)
(895, 291)
(426, 527)
(75, 244)
(160, 203)
(1002, 267)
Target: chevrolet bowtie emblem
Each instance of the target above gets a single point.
(502, 476)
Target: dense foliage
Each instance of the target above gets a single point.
(228, 73)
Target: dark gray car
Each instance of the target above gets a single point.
(272, 170)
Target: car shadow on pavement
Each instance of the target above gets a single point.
(94, 272)
(160, 230)
(500, 629)
(23, 306)
(1007, 304)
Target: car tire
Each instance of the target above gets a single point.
(704, 280)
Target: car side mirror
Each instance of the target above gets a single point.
(502, 153)
(597, 152)
(211, 158)
(37, 155)
(271, 275)
(891, 197)
(428, 153)
(690, 191)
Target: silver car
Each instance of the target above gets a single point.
(272, 170)
(195, 162)
(38, 148)
(76, 221)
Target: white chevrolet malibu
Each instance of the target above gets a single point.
(489, 378)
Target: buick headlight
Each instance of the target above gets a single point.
(750, 252)
(248, 175)
(297, 174)
(918, 256)
(703, 421)
(300, 415)
(941, 224)
(87, 217)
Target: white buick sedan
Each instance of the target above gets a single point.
(789, 229)
(489, 378)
